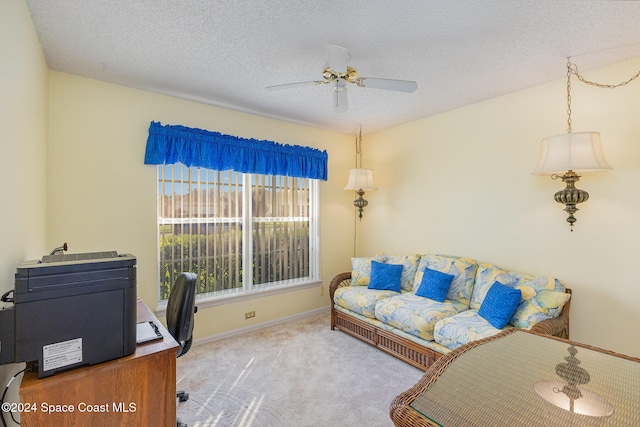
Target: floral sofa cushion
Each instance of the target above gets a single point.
(452, 332)
(409, 268)
(360, 299)
(546, 304)
(415, 315)
(542, 296)
(486, 276)
(361, 269)
(463, 270)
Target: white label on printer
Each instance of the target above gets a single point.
(61, 354)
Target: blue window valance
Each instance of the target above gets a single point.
(170, 144)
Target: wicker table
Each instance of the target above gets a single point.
(491, 383)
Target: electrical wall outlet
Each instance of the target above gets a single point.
(249, 314)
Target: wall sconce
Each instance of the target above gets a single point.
(360, 180)
(571, 153)
(567, 154)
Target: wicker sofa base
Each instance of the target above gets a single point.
(408, 351)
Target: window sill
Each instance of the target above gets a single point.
(207, 300)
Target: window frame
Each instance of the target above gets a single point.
(248, 290)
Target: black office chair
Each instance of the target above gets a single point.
(180, 310)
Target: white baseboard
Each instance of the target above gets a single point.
(260, 326)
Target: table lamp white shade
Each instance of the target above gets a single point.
(361, 179)
(579, 152)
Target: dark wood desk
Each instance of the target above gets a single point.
(136, 390)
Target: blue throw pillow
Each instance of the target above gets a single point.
(435, 285)
(500, 304)
(385, 277)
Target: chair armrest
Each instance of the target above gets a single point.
(559, 326)
(342, 279)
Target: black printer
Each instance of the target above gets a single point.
(71, 310)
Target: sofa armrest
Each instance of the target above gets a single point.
(342, 279)
(559, 326)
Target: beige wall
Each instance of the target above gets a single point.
(460, 183)
(102, 196)
(23, 127)
(23, 123)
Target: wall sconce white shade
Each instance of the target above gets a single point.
(361, 179)
(579, 152)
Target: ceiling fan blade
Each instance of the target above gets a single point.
(337, 58)
(299, 84)
(388, 84)
(340, 96)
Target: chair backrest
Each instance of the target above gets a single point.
(181, 307)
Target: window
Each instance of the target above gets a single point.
(240, 233)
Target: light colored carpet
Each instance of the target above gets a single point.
(298, 373)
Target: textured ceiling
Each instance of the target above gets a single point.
(225, 52)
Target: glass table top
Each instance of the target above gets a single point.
(494, 384)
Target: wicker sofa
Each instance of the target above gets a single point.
(417, 329)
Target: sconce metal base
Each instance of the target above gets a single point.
(360, 203)
(571, 195)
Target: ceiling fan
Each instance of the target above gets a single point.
(337, 74)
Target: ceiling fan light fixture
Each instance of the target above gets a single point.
(337, 58)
